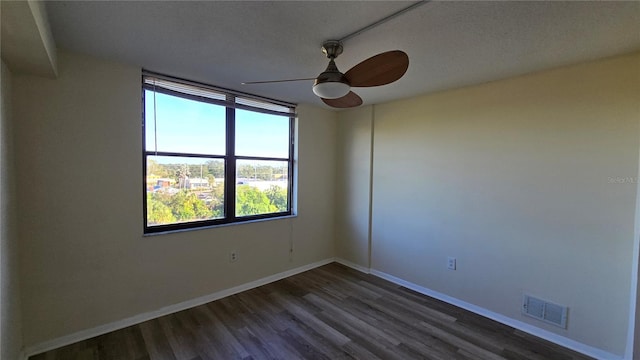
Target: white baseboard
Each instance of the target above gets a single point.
(117, 325)
(530, 329)
(137, 319)
(353, 265)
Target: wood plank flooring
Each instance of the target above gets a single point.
(331, 312)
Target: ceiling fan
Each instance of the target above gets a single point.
(334, 87)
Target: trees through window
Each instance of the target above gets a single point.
(213, 156)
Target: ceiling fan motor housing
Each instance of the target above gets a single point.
(331, 83)
(331, 74)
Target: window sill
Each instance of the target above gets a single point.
(220, 225)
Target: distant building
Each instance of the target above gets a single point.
(196, 183)
(164, 183)
(159, 184)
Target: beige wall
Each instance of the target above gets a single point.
(529, 182)
(10, 313)
(514, 178)
(85, 261)
(353, 185)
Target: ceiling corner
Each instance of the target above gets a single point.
(27, 42)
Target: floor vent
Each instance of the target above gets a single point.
(546, 311)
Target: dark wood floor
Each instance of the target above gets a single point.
(332, 312)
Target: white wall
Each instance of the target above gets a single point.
(85, 262)
(10, 314)
(529, 182)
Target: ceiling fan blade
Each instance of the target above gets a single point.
(348, 101)
(380, 69)
(274, 81)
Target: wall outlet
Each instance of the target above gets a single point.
(451, 263)
(233, 256)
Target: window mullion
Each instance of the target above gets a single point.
(230, 166)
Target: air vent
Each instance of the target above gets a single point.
(546, 311)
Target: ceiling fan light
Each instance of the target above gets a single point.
(331, 89)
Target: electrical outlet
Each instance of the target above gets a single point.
(233, 256)
(451, 263)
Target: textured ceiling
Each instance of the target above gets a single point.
(450, 44)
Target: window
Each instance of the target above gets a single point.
(213, 156)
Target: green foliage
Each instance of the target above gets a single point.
(156, 170)
(177, 204)
(261, 172)
(210, 169)
(252, 201)
(186, 206)
(164, 208)
(157, 211)
(215, 168)
(278, 197)
(217, 201)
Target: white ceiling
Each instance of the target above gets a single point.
(450, 44)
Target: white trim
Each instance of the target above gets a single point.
(633, 299)
(530, 329)
(120, 324)
(353, 265)
(371, 162)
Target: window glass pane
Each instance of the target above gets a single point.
(261, 187)
(262, 135)
(179, 125)
(184, 189)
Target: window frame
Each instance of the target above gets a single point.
(229, 158)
